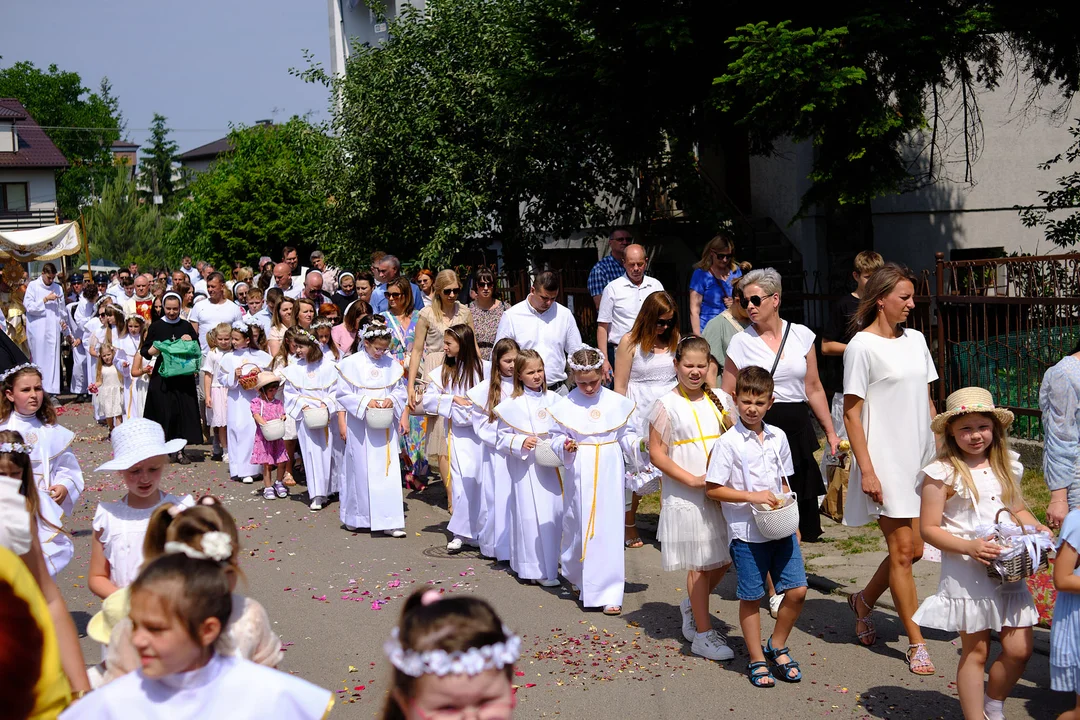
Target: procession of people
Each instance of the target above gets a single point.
(363, 385)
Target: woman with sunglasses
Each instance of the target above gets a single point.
(431, 327)
(789, 350)
(487, 310)
(644, 371)
(710, 285)
(425, 280)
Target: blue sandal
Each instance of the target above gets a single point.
(784, 669)
(760, 679)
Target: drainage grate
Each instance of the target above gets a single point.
(440, 551)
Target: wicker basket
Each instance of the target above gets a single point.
(249, 380)
(316, 418)
(545, 456)
(379, 418)
(273, 430)
(1017, 565)
(781, 522)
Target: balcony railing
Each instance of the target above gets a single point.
(26, 219)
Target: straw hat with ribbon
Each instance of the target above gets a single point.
(970, 400)
(266, 378)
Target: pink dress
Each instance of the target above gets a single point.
(268, 451)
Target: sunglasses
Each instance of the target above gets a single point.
(102, 314)
(754, 300)
(665, 323)
(451, 291)
(484, 284)
(392, 295)
(723, 255)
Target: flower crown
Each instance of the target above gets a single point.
(250, 320)
(587, 366)
(19, 368)
(16, 447)
(374, 331)
(240, 326)
(321, 323)
(439, 662)
(307, 334)
(216, 546)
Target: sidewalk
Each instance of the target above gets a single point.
(847, 557)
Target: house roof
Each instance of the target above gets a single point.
(209, 150)
(124, 145)
(36, 150)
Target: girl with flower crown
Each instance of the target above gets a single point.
(452, 657)
(371, 385)
(592, 432)
(241, 437)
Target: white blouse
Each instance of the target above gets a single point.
(748, 349)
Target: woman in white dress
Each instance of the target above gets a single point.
(372, 379)
(887, 411)
(241, 361)
(536, 499)
(644, 371)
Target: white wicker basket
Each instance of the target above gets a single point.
(545, 456)
(316, 418)
(273, 430)
(779, 523)
(380, 418)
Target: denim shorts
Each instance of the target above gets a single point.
(753, 561)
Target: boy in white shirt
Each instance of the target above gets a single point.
(749, 464)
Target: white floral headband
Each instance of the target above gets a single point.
(439, 662)
(216, 546)
(16, 447)
(599, 363)
(19, 368)
(306, 334)
(375, 331)
(240, 326)
(321, 323)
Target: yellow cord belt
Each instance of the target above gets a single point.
(590, 528)
(702, 437)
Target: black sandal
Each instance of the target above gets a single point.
(784, 668)
(182, 458)
(760, 679)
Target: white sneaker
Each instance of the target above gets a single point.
(247, 480)
(350, 528)
(712, 646)
(395, 533)
(225, 458)
(774, 604)
(454, 545)
(549, 583)
(689, 627)
(315, 504)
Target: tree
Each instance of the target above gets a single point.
(82, 124)
(122, 228)
(157, 166)
(1063, 202)
(255, 199)
(435, 154)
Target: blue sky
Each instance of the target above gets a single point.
(203, 64)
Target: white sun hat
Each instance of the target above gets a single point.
(136, 440)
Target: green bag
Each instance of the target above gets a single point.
(178, 357)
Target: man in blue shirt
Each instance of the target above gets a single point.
(611, 266)
(385, 269)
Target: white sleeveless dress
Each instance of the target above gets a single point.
(651, 375)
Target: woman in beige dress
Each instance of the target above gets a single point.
(427, 355)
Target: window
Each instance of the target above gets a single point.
(13, 197)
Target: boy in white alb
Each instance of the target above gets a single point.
(748, 467)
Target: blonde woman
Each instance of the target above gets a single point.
(427, 355)
(283, 318)
(710, 285)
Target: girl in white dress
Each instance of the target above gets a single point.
(108, 387)
(57, 474)
(219, 341)
(241, 436)
(644, 371)
(186, 673)
(446, 395)
(536, 500)
(593, 430)
(974, 477)
(495, 488)
(309, 383)
(248, 633)
(685, 425)
(370, 379)
(127, 347)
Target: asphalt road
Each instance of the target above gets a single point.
(333, 597)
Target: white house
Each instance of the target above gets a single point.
(28, 164)
(357, 21)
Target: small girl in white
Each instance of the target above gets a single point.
(447, 395)
(974, 477)
(494, 485)
(108, 387)
(536, 500)
(1065, 632)
(684, 426)
(243, 359)
(219, 341)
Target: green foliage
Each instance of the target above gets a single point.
(1064, 229)
(436, 154)
(82, 124)
(260, 196)
(122, 228)
(158, 158)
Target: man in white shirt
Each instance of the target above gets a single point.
(124, 287)
(290, 258)
(207, 270)
(192, 272)
(283, 281)
(621, 301)
(206, 315)
(539, 323)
